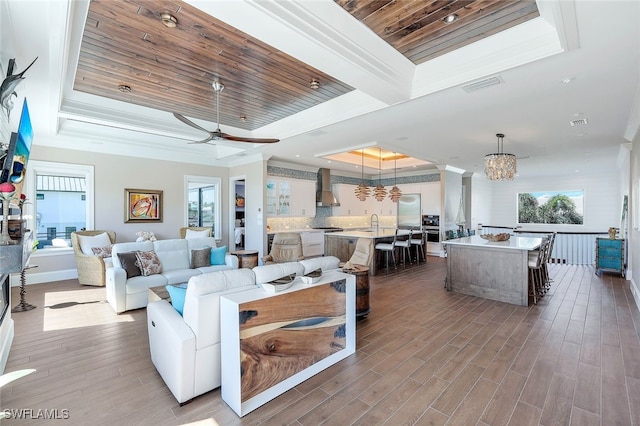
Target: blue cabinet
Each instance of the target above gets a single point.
(609, 255)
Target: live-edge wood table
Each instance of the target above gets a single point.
(271, 342)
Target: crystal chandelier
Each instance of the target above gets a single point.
(362, 190)
(379, 192)
(395, 192)
(500, 165)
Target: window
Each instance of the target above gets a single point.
(61, 201)
(203, 207)
(556, 207)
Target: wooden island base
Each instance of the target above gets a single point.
(493, 270)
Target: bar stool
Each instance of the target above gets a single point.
(389, 248)
(418, 243)
(403, 241)
(536, 274)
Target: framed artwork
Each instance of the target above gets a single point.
(142, 205)
(551, 207)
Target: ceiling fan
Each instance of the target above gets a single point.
(217, 134)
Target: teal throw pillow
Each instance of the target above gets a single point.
(177, 293)
(217, 255)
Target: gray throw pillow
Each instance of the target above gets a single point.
(201, 258)
(129, 264)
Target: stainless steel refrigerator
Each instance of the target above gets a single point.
(409, 213)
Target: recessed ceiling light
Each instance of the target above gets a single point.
(449, 19)
(314, 84)
(243, 118)
(169, 20)
(567, 80)
(297, 155)
(124, 88)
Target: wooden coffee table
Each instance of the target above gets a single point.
(158, 293)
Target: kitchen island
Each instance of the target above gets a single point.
(493, 270)
(342, 245)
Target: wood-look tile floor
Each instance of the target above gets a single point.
(424, 356)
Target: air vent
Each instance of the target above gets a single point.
(478, 85)
(579, 122)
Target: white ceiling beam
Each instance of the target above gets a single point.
(321, 34)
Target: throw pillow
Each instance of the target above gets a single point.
(217, 255)
(129, 263)
(102, 251)
(177, 293)
(200, 258)
(87, 242)
(148, 262)
(197, 234)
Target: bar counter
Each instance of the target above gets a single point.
(494, 270)
(342, 245)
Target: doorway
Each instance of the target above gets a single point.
(237, 213)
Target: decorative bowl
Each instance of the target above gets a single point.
(497, 237)
(279, 284)
(312, 277)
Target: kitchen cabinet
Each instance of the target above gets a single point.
(431, 197)
(290, 197)
(386, 207)
(349, 204)
(303, 198)
(278, 194)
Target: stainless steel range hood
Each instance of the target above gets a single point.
(324, 196)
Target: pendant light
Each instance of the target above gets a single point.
(379, 192)
(500, 165)
(395, 192)
(362, 190)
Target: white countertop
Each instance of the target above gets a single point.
(516, 243)
(380, 233)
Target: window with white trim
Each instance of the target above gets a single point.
(60, 200)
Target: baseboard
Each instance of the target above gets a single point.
(34, 277)
(636, 293)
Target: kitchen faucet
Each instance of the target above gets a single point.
(376, 221)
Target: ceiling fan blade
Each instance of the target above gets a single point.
(188, 122)
(207, 140)
(250, 140)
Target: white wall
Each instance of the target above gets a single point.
(451, 191)
(481, 195)
(114, 173)
(601, 197)
(634, 223)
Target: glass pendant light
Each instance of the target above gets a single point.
(500, 165)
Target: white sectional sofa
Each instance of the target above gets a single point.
(186, 349)
(175, 257)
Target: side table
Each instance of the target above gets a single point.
(247, 258)
(362, 289)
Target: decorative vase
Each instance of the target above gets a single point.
(5, 239)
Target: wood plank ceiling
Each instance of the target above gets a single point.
(417, 28)
(171, 69)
